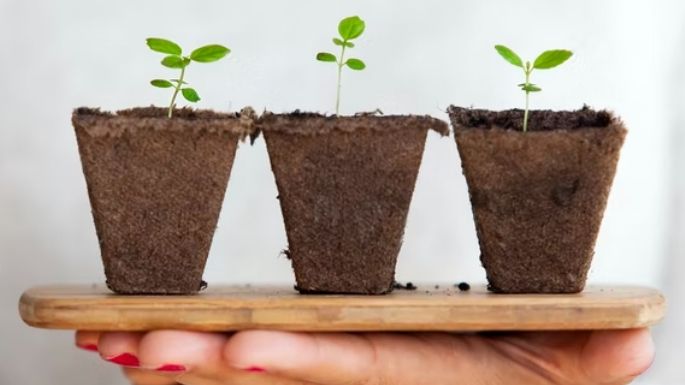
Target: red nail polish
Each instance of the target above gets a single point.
(171, 368)
(125, 359)
(255, 369)
(89, 347)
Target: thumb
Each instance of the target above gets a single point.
(617, 357)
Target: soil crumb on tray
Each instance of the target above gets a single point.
(463, 286)
(286, 253)
(400, 286)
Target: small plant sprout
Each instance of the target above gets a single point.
(176, 60)
(349, 29)
(546, 60)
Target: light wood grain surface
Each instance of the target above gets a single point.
(429, 308)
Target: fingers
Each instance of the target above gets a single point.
(120, 348)
(170, 357)
(308, 357)
(339, 358)
(617, 357)
(197, 358)
(180, 351)
(87, 340)
(163, 351)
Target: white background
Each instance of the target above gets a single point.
(421, 56)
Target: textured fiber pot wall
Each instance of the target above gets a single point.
(345, 185)
(538, 197)
(156, 186)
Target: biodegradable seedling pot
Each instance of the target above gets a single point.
(345, 184)
(538, 197)
(156, 186)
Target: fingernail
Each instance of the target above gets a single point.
(255, 369)
(89, 347)
(171, 368)
(125, 359)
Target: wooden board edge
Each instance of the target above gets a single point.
(655, 311)
(640, 316)
(26, 310)
(644, 313)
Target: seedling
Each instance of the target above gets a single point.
(546, 60)
(176, 60)
(349, 29)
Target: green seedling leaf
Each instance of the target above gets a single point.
(546, 60)
(190, 95)
(551, 59)
(164, 46)
(341, 43)
(351, 28)
(161, 83)
(355, 64)
(209, 53)
(327, 57)
(530, 88)
(173, 62)
(509, 55)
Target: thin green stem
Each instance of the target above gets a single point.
(341, 64)
(525, 113)
(179, 84)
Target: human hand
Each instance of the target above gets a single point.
(284, 358)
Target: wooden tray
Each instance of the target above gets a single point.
(429, 308)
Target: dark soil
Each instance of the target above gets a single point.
(545, 120)
(463, 286)
(538, 197)
(156, 186)
(312, 123)
(345, 184)
(400, 286)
